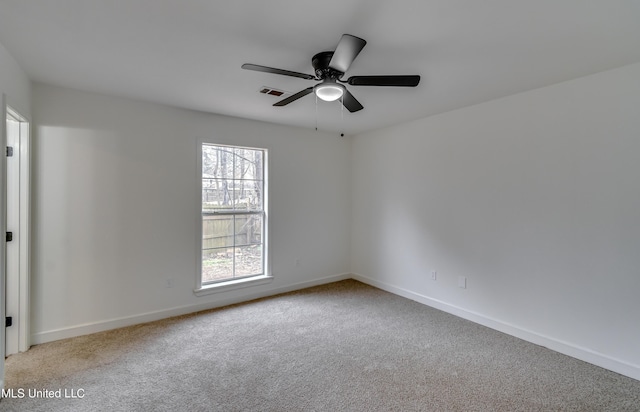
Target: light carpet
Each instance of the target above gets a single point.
(344, 346)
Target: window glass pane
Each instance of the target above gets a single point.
(241, 164)
(248, 260)
(217, 195)
(249, 195)
(237, 190)
(248, 230)
(217, 264)
(217, 231)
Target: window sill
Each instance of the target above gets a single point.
(232, 284)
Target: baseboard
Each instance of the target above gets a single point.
(569, 349)
(101, 326)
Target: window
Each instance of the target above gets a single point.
(233, 215)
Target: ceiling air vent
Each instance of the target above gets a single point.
(272, 91)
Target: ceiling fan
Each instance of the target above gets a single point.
(329, 68)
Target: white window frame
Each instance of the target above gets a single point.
(236, 283)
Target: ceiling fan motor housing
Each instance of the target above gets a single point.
(320, 63)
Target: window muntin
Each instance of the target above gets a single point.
(233, 213)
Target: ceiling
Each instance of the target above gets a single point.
(188, 53)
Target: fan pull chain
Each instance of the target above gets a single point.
(342, 115)
(316, 112)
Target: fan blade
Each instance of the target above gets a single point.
(398, 81)
(346, 52)
(294, 97)
(258, 68)
(350, 102)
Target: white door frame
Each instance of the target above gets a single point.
(16, 206)
(3, 226)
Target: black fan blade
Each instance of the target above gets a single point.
(294, 97)
(398, 81)
(347, 50)
(258, 68)
(350, 102)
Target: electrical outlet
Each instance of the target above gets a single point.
(462, 282)
(434, 275)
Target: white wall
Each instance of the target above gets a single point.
(115, 209)
(535, 198)
(14, 83)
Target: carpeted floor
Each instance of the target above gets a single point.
(344, 346)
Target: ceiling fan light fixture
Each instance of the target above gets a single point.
(329, 92)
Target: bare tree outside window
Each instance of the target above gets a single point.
(232, 212)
